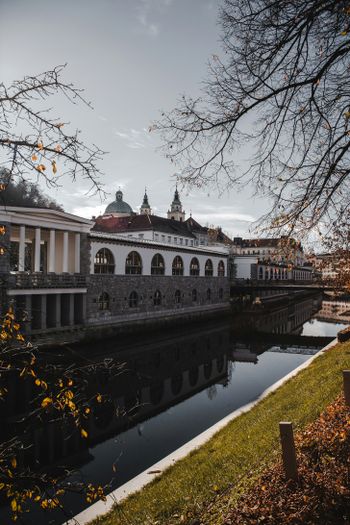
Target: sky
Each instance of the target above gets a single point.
(134, 59)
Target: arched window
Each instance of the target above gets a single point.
(221, 269)
(104, 261)
(103, 301)
(178, 266)
(208, 270)
(208, 294)
(221, 293)
(194, 266)
(133, 264)
(157, 265)
(133, 300)
(177, 297)
(157, 298)
(194, 295)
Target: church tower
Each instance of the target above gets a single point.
(176, 212)
(145, 207)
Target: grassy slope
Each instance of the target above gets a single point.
(227, 459)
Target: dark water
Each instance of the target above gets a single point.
(174, 387)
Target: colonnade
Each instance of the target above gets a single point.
(51, 310)
(57, 263)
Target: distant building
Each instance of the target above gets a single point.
(270, 259)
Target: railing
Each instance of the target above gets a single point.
(42, 280)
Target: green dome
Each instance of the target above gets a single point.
(119, 206)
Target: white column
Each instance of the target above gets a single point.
(37, 250)
(77, 253)
(52, 251)
(65, 253)
(22, 246)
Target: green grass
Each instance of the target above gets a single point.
(230, 462)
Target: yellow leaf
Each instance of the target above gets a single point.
(83, 433)
(41, 167)
(14, 505)
(14, 462)
(34, 157)
(70, 382)
(37, 382)
(87, 410)
(344, 33)
(46, 401)
(54, 167)
(99, 398)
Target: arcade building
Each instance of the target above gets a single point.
(63, 273)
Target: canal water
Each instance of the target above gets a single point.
(176, 385)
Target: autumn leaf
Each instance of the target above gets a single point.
(83, 433)
(34, 157)
(46, 402)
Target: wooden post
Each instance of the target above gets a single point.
(288, 450)
(346, 381)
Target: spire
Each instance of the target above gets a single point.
(176, 212)
(145, 207)
(176, 199)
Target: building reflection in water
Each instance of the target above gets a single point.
(156, 376)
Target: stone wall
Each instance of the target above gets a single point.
(119, 288)
(85, 249)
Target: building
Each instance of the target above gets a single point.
(62, 272)
(270, 259)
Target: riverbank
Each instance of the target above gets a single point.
(322, 493)
(235, 457)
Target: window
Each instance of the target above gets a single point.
(175, 240)
(163, 238)
(177, 297)
(194, 295)
(133, 264)
(181, 240)
(208, 294)
(186, 242)
(103, 301)
(194, 266)
(104, 261)
(169, 238)
(178, 266)
(208, 270)
(133, 300)
(141, 235)
(157, 265)
(156, 236)
(221, 293)
(221, 269)
(157, 298)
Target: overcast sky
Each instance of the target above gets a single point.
(134, 58)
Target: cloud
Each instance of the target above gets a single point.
(147, 11)
(135, 139)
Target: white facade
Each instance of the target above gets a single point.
(121, 247)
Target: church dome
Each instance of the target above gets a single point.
(118, 207)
